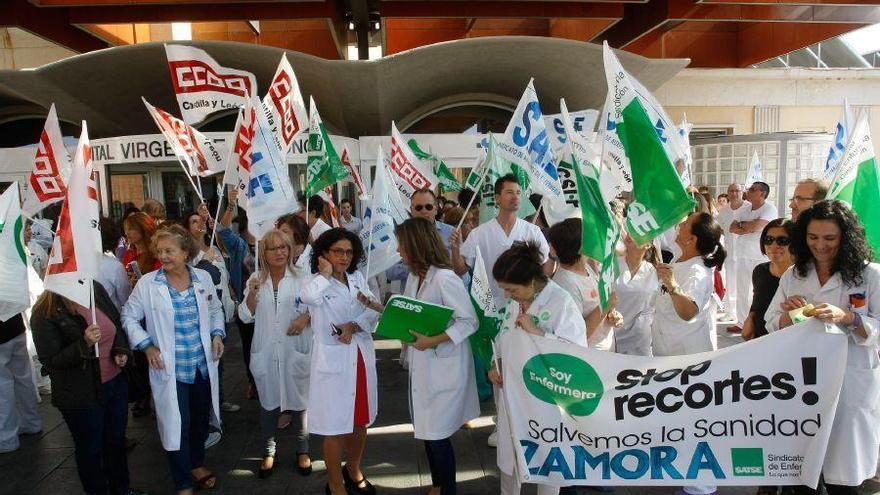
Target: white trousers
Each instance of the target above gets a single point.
(744, 269)
(18, 396)
(729, 276)
(512, 486)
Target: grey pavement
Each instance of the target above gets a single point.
(394, 461)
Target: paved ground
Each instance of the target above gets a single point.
(394, 461)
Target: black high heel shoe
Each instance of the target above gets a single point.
(353, 486)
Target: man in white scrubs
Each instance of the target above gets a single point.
(496, 236)
(724, 219)
(748, 222)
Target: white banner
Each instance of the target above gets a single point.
(203, 86)
(583, 123)
(284, 106)
(758, 413)
(194, 149)
(47, 183)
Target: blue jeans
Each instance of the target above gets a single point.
(99, 440)
(194, 402)
(441, 460)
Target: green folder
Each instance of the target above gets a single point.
(403, 314)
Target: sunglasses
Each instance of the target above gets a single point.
(426, 207)
(780, 241)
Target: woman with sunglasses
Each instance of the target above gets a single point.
(833, 271)
(775, 239)
(342, 387)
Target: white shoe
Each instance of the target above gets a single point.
(493, 438)
(213, 439)
(230, 407)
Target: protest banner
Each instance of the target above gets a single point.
(758, 413)
(47, 183)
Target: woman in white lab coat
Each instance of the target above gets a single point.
(684, 318)
(539, 306)
(443, 390)
(342, 389)
(636, 289)
(576, 276)
(282, 346)
(832, 272)
(183, 343)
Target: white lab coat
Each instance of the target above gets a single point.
(151, 301)
(443, 390)
(672, 336)
(279, 362)
(559, 317)
(855, 434)
(333, 374)
(636, 293)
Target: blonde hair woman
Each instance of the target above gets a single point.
(282, 345)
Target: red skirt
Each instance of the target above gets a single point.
(361, 402)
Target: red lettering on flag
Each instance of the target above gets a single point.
(46, 182)
(193, 76)
(406, 170)
(244, 140)
(279, 91)
(62, 248)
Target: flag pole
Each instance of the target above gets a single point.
(197, 189)
(538, 212)
(372, 224)
(94, 312)
(221, 189)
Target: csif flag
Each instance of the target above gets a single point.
(487, 314)
(73, 261)
(447, 180)
(13, 260)
(197, 151)
(659, 199)
(857, 181)
(324, 167)
(202, 86)
(47, 183)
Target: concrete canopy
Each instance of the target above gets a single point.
(355, 98)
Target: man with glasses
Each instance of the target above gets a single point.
(806, 193)
(748, 222)
(423, 204)
(725, 218)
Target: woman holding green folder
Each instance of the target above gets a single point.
(443, 390)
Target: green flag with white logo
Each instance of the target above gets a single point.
(447, 179)
(324, 167)
(857, 181)
(659, 198)
(487, 313)
(496, 167)
(13, 260)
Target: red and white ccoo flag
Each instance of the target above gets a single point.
(47, 183)
(196, 150)
(284, 106)
(73, 262)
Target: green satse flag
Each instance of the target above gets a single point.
(600, 232)
(448, 182)
(484, 305)
(499, 167)
(857, 181)
(324, 167)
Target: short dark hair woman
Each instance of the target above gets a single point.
(343, 358)
(443, 388)
(833, 272)
(91, 392)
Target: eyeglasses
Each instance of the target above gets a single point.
(798, 199)
(282, 247)
(780, 241)
(342, 252)
(426, 207)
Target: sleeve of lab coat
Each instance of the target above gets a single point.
(243, 311)
(870, 317)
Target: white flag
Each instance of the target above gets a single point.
(284, 106)
(408, 172)
(754, 174)
(386, 209)
(73, 262)
(197, 151)
(582, 122)
(684, 132)
(203, 86)
(258, 170)
(47, 183)
(526, 144)
(13, 260)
